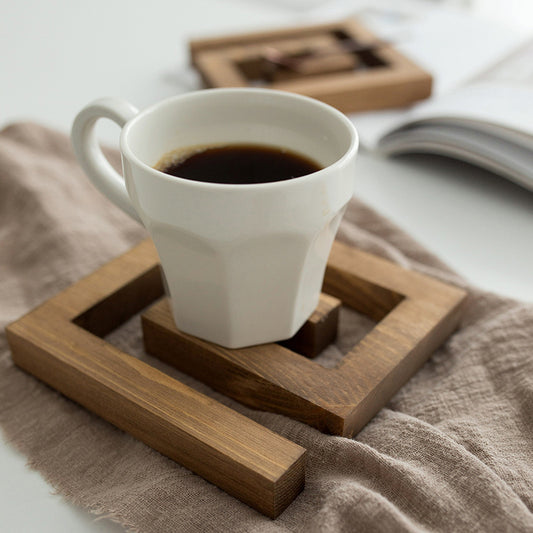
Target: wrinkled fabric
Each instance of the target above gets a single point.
(452, 450)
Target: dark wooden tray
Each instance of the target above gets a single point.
(61, 343)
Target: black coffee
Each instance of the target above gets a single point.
(237, 164)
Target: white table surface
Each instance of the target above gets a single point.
(58, 55)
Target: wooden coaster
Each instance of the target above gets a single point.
(341, 63)
(58, 343)
(415, 313)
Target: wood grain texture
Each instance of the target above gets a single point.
(395, 80)
(240, 456)
(267, 376)
(416, 314)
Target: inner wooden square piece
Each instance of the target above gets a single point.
(415, 315)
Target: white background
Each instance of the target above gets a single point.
(58, 55)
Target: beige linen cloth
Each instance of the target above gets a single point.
(452, 451)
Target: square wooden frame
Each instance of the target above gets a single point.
(397, 83)
(416, 314)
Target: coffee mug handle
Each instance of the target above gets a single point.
(105, 178)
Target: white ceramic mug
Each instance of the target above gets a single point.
(244, 264)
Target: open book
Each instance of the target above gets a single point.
(485, 118)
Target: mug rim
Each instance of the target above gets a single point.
(348, 154)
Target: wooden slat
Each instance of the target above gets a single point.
(267, 376)
(197, 46)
